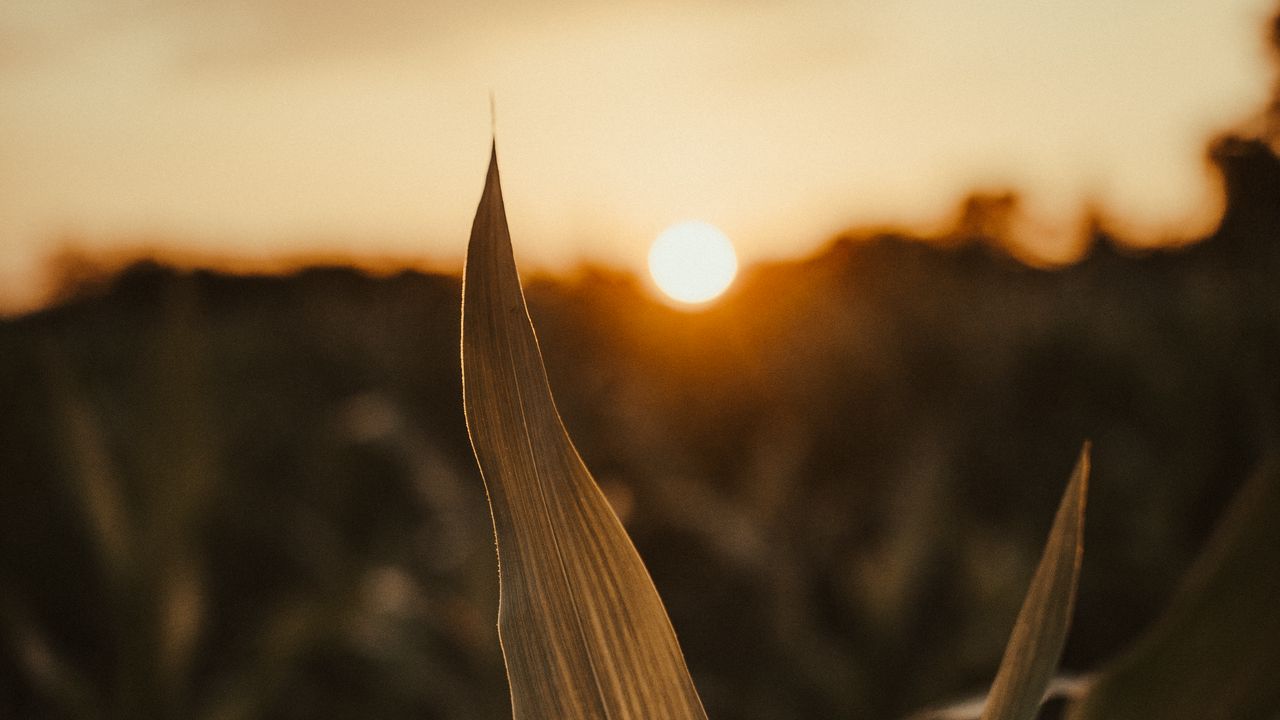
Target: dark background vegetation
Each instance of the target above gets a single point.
(250, 496)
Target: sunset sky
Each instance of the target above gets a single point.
(256, 129)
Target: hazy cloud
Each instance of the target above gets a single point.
(247, 126)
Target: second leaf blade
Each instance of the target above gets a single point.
(1031, 657)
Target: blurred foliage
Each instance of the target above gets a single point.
(1215, 652)
(241, 496)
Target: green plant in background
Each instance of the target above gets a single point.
(144, 524)
(160, 587)
(583, 630)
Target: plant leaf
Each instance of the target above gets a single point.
(583, 631)
(1215, 653)
(1061, 687)
(1031, 657)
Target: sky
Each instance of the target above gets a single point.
(261, 130)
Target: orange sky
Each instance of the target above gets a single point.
(261, 128)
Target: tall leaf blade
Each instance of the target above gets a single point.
(1215, 653)
(1031, 657)
(583, 631)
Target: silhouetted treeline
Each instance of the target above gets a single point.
(227, 496)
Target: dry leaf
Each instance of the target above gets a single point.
(1031, 657)
(583, 630)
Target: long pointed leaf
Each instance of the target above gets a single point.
(583, 630)
(1031, 657)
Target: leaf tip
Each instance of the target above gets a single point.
(1080, 477)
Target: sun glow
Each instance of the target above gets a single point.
(692, 262)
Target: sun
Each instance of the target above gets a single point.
(692, 262)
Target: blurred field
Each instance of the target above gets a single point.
(234, 496)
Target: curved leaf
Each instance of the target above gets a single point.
(1031, 657)
(1215, 653)
(583, 631)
